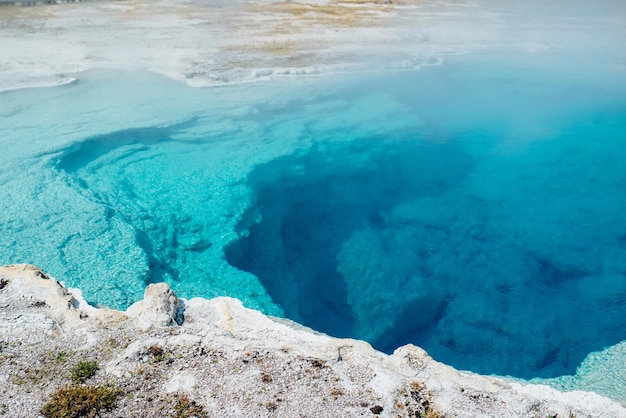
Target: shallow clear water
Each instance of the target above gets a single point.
(474, 209)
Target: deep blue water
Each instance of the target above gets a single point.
(475, 209)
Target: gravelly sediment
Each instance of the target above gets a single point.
(167, 357)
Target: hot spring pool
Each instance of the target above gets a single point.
(475, 209)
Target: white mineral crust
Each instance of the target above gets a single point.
(236, 362)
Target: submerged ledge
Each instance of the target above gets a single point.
(225, 359)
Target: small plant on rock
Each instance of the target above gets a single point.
(80, 401)
(186, 408)
(83, 371)
(415, 400)
(157, 353)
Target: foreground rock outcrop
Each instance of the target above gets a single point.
(171, 357)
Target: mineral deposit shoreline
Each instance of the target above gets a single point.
(218, 42)
(217, 358)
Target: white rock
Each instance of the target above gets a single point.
(181, 382)
(184, 341)
(233, 333)
(159, 308)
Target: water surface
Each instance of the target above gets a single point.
(474, 208)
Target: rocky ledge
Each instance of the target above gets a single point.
(167, 356)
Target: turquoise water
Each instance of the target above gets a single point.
(474, 208)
